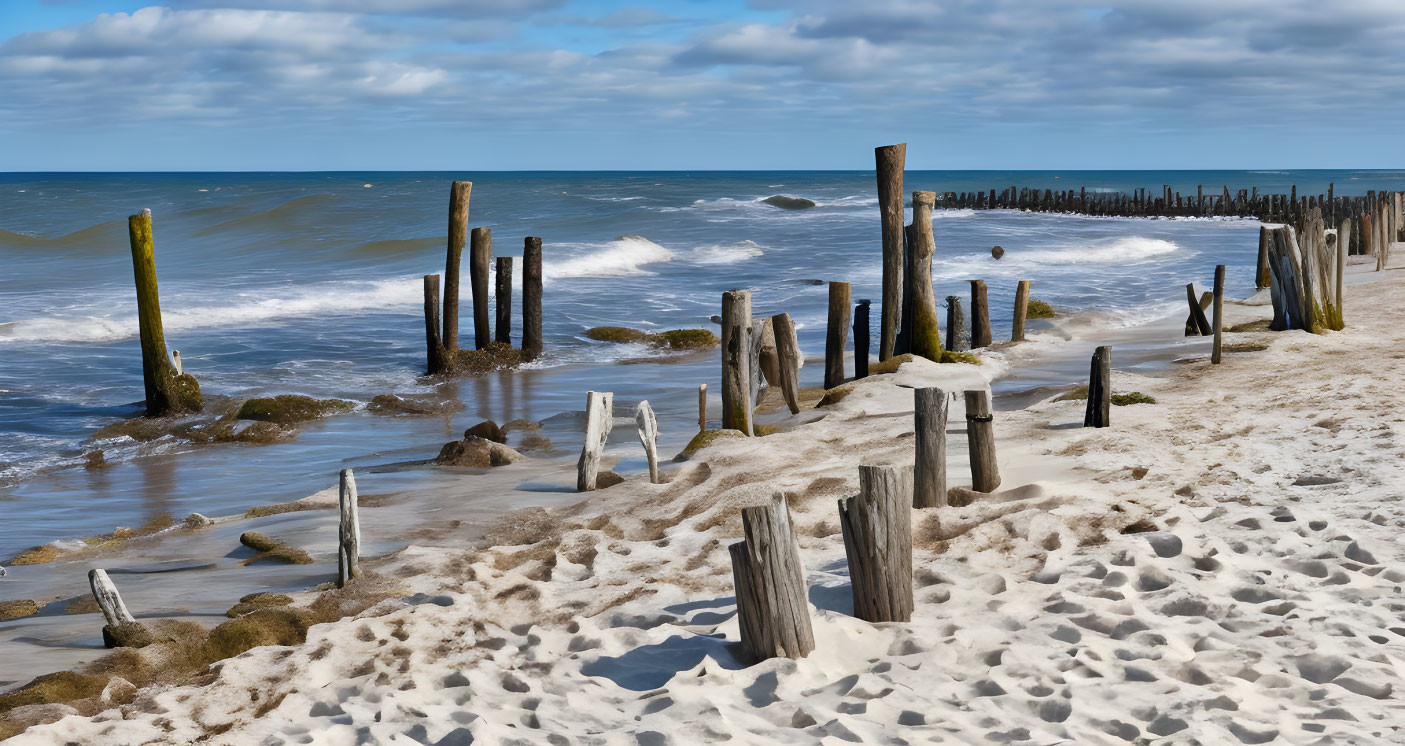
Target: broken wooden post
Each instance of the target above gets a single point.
(958, 338)
(1098, 411)
(437, 356)
(110, 602)
(1261, 273)
(890, 160)
(648, 437)
(702, 407)
(1218, 314)
(349, 533)
(1192, 329)
(599, 419)
(926, 339)
(167, 392)
(176, 362)
(788, 359)
(980, 438)
(532, 297)
(1021, 310)
(929, 410)
(838, 333)
(1202, 325)
(502, 301)
(773, 610)
(756, 381)
(458, 231)
(980, 316)
(480, 251)
(861, 338)
(877, 528)
(736, 365)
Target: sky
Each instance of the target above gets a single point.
(295, 85)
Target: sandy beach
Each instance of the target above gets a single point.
(1221, 566)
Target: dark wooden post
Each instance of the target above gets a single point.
(861, 338)
(349, 531)
(167, 391)
(773, 610)
(877, 528)
(1021, 310)
(926, 339)
(788, 360)
(599, 419)
(503, 300)
(958, 338)
(929, 409)
(980, 439)
(532, 297)
(736, 362)
(458, 233)
(1202, 325)
(437, 357)
(838, 334)
(1218, 314)
(1098, 411)
(1261, 273)
(902, 345)
(890, 160)
(480, 252)
(980, 316)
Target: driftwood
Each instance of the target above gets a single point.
(736, 367)
(980, 316)
(837, 335)
(1098, 412)
(167, 390)
(773, 610)
(648, 437)
(1202, 324)
(958, 337)
(1218, 321)
(109, 600)
(1021, 311)
(926, 336)
(502, 301)
(929, 409)
(480, 252)
(890, 161)
(877, 528)
(349, 531)
(1192, 329)
(531, 297)
(599, 418)
(459, 193)
(787, 360)
(861, 338)
(980, 439)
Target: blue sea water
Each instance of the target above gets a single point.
(310, 283)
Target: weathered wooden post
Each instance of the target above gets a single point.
(788, 356)
(980, 438)
(599, 419)
(531, 297)
(1343, 244)
(480, 252)
(1098, 411)
(890, 160)
(1261, 273)
(1021, 310)
(861, 338)
(167, 391)
(176, 362)
(1218, 315)
(756, 381)
(929, 426)
(1192, 329)
(110, 602)
(459, 193)
(980, 316)
(958, 338)
(1202, 325)
(773, 611)
(349, 533)
(736, 366)
(877, 528)
(838, 333)
(648, 437)
(503, 301)
(702, 407)
(926, 340)
(438, 357)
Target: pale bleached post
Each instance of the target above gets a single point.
(109, 600)
(648, 437)
(926, 339)
(599, 418)
(756, 381)
(1343, 245)
(1098, 411)
(736, 365)
(788, 357)
(1021, 310)
(890, 161)
(980, 316)
(838, 333)
(503, 301)
(459, 193)
(176, 361)
(1218, 323)
(480, 253)
(929, 426)
(349, 533)
(702, 407)
(877, 528)
(773, 610)
(958, 337)
(980, 438)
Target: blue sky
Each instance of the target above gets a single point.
(693, 84)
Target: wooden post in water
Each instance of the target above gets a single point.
(1202, 325)
(532, 297)
(773, 610)
(837, 334)
(929, 412)
(877, 528)
(480, 252)
(438, 357)
(926, 339)
(459, 192)
(1021, 310)
(980, 316)
(903, 344)
(648, 437)
(861, 338)
(1098, 411)
(980, 438)
(599, 419)
(788, 359)
(1261, 273)
(890, 160)
(110, 602)
(958, 338)
(167, 391)
(349, 531)
(736, 365)
(1218, 315)
(503, 300)
(702, 407)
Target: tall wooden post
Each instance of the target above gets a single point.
(838, 333)
(503, 300)
(480, 252)
(437, 356)
(929, 412)
(1098, 411)
(1218, 314)
(458, 233)
(980, 316)
(736, 363)
(890, 160)
(1021, 310)
(861, 338)
(1343, 245)
(877, 528)
(648, 426)
(980, 439)
(773, 610)
(532, 297)
(599, 419)
(788, 359)
(702, 407)
(167, 391)
(1261, 271)
(926, 340)
(958, 337)
(349, 531)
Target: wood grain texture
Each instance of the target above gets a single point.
(787, 360)
(929, 414)
(736, 365)
(436, 356)
(599, 419)
(773, 609)
(926, 336)
(502, 301)
(459, 193)
(958, 337)
(480, 254)
(980, 316)
(877, 529)
(648, 427)
(889, 161)
(348, 530)
(1021, 310)
(109, 600)
(531, 297)
(980, 440)
(837, 334)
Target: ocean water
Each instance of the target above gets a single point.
(309, 283)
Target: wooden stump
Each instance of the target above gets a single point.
(980, 437)
(1098, 412)
(437, 356)
(837, 335)
(480, 252)
(890, 160)
(861, 338)
(1218, 314)
(648, 437)
(349, 531)
(877, 528)
(980, 316)
(459, 193)
(110, 603)
(926, 336)
(702, 407)
(736, 367)
(167, 391)
(599, 419)
(773, 610)
(929, 426)
(532, 297)
(958, 338)
(788, 357)
(1202, 325)
(1021, 310)
(503, 301)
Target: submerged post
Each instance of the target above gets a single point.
(889, 160)
(458, 232)
(980, 438)
(788, 360)
(980, 316)
(861, 338)
(532, 297)
(736, 365)
(926, 339)
(480, 251)
(773, 610)
(1021, 310)
(167, 391)
(837, 333)
(503, 300)
(1098, 411)
(599, 418)
(349, 533)
(929, 412)
(437, 356)
(1218, 315)
(648, 437)
(877, 528)
(958, 338)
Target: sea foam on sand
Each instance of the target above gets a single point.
(1221, 567)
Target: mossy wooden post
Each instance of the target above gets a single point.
(531, 297)
(349, 531)
(837, 335)
(980, 316)
(167, 391)
(929, 412)
(480, 252)
(926, 339)
(773, 610)
(648, 426)
(599, 418)
(437, 356)
(1261, 273)
(110, 603)
(877, 528)
(1202, 325)
(1021, 310)
(702, 407)
(736, 367)
(890, 161)
(502, 301)
(861, 338)
(458, 233)
(1098, 411)
(1218, 315)
(980, 439)
(788, 359)
(958, 338)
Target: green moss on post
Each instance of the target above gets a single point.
(166, 391)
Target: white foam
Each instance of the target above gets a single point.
(621, 257)
(1125, 249)
(726, 253)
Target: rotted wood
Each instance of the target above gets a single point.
(787, 358)
(958, 337)
(889, 160)
(599, 418)
(437, 356)
(459, 193)
(773, 610)
(837, 335)
(736, 365)
(349, 531)
(877, 528)
(925, 338)
(480, 253)
(980, 439)
(1098, 411)
(929, 412)
(980, 316)
(503, 301)
(648, 427)
(532, 297)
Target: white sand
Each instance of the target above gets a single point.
(1263, 605)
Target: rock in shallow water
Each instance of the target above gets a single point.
(474, 451)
